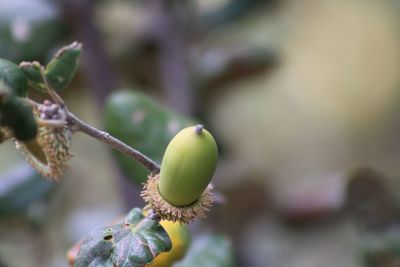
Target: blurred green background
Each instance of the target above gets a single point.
(302, 97)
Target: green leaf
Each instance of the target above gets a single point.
(133, 243)
(211, 251)
(13, 78)
(137, 120)
(15, 115)
(32, 72)
(61, 69)
(212, 73)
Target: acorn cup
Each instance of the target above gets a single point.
(182, 190)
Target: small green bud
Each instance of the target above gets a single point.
(32, 71)
(61, 69)
(13, 78)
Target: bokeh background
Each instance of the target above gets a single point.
(302, 97)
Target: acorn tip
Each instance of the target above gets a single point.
(199, 128)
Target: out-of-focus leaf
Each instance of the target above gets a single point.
(211, 251)
(61, 69)
(22, 190)
(28, 29)
(133, 243)
(12, 77)
(233, 10)
(381, 249)
(15, 115)
(219, 67)
(142, 123)
(3, 134)
(370, 200)
(32, 72)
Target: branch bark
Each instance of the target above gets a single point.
(77, 125)
(108, 139)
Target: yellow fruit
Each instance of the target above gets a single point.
(180, 238)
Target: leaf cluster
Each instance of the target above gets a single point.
(16, 117)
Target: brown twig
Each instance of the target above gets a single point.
(98, 71)
(108, 139)
(77, 124)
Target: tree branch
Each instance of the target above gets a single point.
(112, 141)
(77, 124)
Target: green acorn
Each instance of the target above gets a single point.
(188, 165)
(182, 191)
